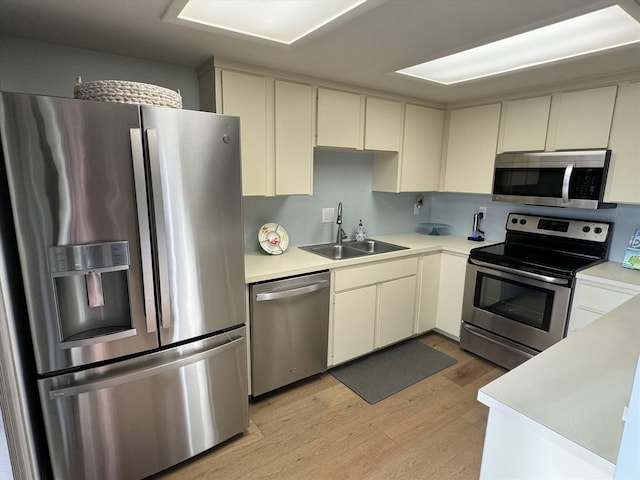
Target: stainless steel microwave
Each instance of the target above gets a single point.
(557, 179)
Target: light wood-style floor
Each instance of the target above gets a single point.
(318, 429)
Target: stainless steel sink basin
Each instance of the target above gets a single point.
(375, 246)
(352, 249)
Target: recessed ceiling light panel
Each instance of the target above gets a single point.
(282, 21)
(601, 30)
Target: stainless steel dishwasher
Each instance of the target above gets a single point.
(289, 330)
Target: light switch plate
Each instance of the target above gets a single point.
(327, 215)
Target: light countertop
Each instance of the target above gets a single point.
(262, 266)
(578, 388)
(613, 274)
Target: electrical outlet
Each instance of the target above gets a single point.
(483, 211)
(327, 215)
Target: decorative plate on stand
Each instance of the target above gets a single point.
(273, 238)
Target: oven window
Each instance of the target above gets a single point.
(516, 301)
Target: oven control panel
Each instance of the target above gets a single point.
(559, 227)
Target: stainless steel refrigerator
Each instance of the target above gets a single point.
(128, 229)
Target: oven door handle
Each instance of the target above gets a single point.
(522, 273)
(565, 183)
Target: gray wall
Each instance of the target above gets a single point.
(33, 67)
(46, 69)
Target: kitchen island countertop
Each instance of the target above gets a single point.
(578, 388)
(261, 266)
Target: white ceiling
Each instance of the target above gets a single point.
(362, 51)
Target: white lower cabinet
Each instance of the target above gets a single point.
(451, 290)
(382, 303)
(353, 325)
(428, 292)
(373, 306)
(397, 309)
(592, 299)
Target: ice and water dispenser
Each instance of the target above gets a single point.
(92, 293)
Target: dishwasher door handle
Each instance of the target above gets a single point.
(294, 292)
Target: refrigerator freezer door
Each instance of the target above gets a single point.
(134, 418)
(197, 199)
(72, 171)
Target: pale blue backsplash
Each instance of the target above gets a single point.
(345, 177)
(338, 177)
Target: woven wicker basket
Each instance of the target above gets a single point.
(122, 91)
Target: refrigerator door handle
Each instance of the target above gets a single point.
(160, 224)
(137, 154)
(79, 389)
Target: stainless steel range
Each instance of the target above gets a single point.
(518, 293)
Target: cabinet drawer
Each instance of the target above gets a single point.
(376, 273)
(600, 299)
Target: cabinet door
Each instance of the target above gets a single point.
(397, 310)
(452, 273)
(428, 296)
(623, 183)
(581, 119)
(523, 125)
(340, 122)
(471, 149)
(245, 96)
(421, 149)
(383, 125)
(581, 317)
(354, 315)
(293, 138)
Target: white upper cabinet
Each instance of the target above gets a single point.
(421, 153)
(340, 119)
(471, 149)
(294, 127)
(245, 96)
(623, 183)
(417, 167)
(523, 124)
(383, 125)
(276, 124)
(581, 119)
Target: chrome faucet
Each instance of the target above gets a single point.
(340, 235)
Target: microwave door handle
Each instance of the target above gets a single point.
(565, 182)
(139, 176)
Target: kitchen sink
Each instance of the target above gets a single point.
(352, 249)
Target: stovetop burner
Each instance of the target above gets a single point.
(559, 246)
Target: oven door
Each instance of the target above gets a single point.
(523, 307)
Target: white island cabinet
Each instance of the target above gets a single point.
(560, 414)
